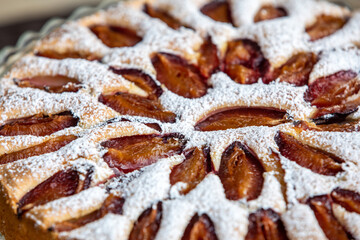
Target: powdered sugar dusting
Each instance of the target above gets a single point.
(72, 37)
(301, 224)
(94, 77)
(270, 197)
(226, 93)
(155, 185)
(334, 61)
(277, 50)
(209, 197)
(334, 142)
(346, 36)
(107, 228)
(295, 176)
(24, 102)
(349, 219)
(173, 221)
(68, 208)
(279, 39)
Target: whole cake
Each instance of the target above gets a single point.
(186, 119)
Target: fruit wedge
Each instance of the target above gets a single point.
(52, 84)
(148, 224)
(192, 170)
(163, 16)
(142, 80)
(69, 54)
(335, 94)
(316, 160)
(127, 154)
(241, 173)
(228, 118)
(346, 125)
(218, 11)
(62, 184)
(116, 36)
(348, 199)
(134, 105)
(325, 25)
(38, 125)
(296, 70)
(209, 61)
(179, 76)
(51, 145)
(273, 164)
(112, 204)
(244, 62)
(269, 12)
(200, 228)
(266, 225)
(321, 206)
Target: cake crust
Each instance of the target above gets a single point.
(188, 118)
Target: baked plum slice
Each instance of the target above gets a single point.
(241, 173)
(134, 105)
(325, 25)
(116, 36)
(335, 125)
(348, 199)
(155, 126)
(112, 204)
(69, 54)
(179, 76)
(269, 12)
(208, 61)
(218, 11)
(200, 227)
(152, 125)
(192, 170)
(38, 125)
(346, 126)
(163, 16)
(296, 70)
(244, 62)
(51, 145)
(314, 159)
(334, 94)
(126, 154)
(273, 164)
(148, 224)
(141, 79)
(52, 84)
(61, 184)
(238, 117)
(321, 206)
(265, 224)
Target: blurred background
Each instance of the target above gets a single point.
(18, 16)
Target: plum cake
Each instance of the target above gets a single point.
(184, 120)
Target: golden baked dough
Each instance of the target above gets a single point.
(186, 119)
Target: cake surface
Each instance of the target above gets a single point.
(186, 119)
